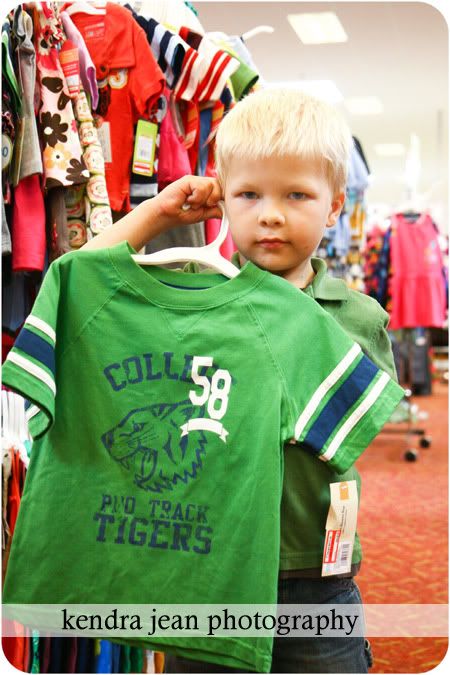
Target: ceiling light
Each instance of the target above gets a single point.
(364, 105)
(323, 89)
(389, 149)
(319, 28)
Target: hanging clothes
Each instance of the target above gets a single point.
(376, 257)
(168, 48)
(11, 108)
(17, 649)
(31, 157)
(62, 156)
(132, 80)
(29, 233)
(173, 161)
(417, 284)
(213, 70)
(89, 211)
(11, 114)
(87, 68)
(245, 77)
(171, 13)
(357, 183)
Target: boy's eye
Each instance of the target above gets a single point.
(249, 195)
(297, 195)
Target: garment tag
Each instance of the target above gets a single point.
(104, 136)
(95, 30)
(340, 528)
(144, 148)
(70, 64)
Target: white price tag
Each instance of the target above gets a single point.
(340, 528)
(104, 136)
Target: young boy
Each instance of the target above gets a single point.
(281, 163)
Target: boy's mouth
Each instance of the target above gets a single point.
(271, 242)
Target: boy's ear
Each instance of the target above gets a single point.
(336, 208)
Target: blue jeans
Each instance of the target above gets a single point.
(303, 655)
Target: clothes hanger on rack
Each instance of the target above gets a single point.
(84, 7)
(256, 31)
(14, 429)
(411, 212)
(411, 216)
(412, 208)
(246, 36)
(136, 5)
(208, 255)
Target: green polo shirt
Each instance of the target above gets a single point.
(306, 492)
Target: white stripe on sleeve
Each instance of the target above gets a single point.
(31, 412)
(42, 326)
(324, 388)
(354, 418)
(32, 369)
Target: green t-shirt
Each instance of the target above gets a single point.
(306, 491)
(160, 404)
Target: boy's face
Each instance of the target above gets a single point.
(278, 210)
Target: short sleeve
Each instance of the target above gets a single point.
(381, 347)
(146, 78)
(29, 368)
(349, 399)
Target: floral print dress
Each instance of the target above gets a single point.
(62, 152)
(88, 209)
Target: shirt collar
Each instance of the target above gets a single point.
(322, 287)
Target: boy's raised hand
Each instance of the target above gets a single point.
(201, 194)
(154, 216)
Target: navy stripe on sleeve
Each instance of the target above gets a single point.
(35, 346)
(340, 403)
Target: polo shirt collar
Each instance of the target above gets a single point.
(322, 287)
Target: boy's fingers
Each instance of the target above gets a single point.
(206, 193)
(195, 213)
(215, 195)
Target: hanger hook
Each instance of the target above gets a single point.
(223, 231)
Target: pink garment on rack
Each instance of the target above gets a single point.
(212, 227)
(417, 284)
(28, 226)
(173, 161)
(87, 68)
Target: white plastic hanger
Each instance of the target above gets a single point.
(208, 255)
(5, 412)
(256, 31)
(136, 5)
(86, 7)
(14, 428)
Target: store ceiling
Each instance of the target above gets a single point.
(397, 51)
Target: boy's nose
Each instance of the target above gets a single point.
(270, 215)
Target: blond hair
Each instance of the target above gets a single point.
(285, 122)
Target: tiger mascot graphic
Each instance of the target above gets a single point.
(148, 442)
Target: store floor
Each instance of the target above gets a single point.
(404, 532)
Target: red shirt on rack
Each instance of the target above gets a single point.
(124, 60)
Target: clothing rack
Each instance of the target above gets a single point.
(406, 274)
(406, 420)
